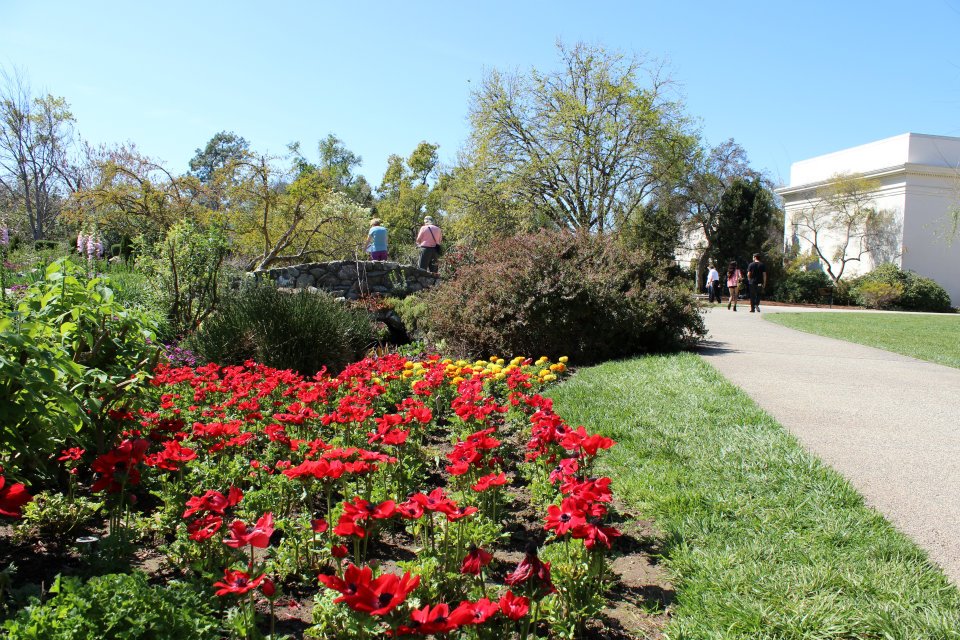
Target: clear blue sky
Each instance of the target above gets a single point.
(787, 80)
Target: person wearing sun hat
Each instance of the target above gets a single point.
(377, 237)
(428, 241)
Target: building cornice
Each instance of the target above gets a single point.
(905, 169)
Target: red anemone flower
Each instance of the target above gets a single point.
(569, 515)
(475, 560)
(213, 501)
(480, 611)
(12, 497)
(118, 467)
(531, 570)
(237, 583)
(514, 607)
(257, 535)
(204, 528)
(489, 481)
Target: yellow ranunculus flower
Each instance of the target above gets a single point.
(456, 380)
(408, 365)
(563, 359)
(558, 368)
(407, 373)
(543, 373)
(499, 376)
(377, 381)
(549, 378)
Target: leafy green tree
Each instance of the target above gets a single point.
(220, 151)
(337, 165)
(288, 213)
(711, 173)
(585, 146)
(407, 193)
(748, 221)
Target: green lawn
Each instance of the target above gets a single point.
(931, 338)
(763, 540)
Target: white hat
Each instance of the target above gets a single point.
(428, 220)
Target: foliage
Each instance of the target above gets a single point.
(116, 606)
(748, 222)
(406, 195)
(558, 293)
(302, 331)
(289, 213)
(221, 150)
(414, 311)
(765, 540)
(801, 286)
(583, 146)
(888, 286)
(69, 356)
(184, 271)
(55, 516)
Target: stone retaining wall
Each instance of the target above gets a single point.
(351, 279)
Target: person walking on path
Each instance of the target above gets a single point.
(757, 281)
(713, 285)
(428, 241)
(377, 240)
(734, 276)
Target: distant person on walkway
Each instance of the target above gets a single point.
(757, 280)
(734, 276)
(428, 240)
(377, 240)
(713, 285)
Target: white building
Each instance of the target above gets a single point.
(919, 182)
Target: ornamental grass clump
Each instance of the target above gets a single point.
(302, 331)
(562, 293)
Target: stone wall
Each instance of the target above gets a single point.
(351, 279)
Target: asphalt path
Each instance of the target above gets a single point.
(889, 423)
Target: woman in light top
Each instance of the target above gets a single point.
(377, 237)
(428, 240)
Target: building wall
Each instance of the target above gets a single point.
(919, 178)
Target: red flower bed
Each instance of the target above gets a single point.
(395, 491)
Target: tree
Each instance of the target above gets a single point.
(748, 222)
(585, 145)
(711, 173)
(35, 135)
(842, 224)
(130, 194)
(221, 150)
(406, 193)
(290, 214)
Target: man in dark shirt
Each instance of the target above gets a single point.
(757, 280)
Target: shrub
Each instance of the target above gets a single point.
(560, 294)
(184, 271)
(302, 331)
(118, 606)
(916, 292)
(880, 295)
(801, 286)
(69, 356)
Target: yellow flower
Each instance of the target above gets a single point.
(499, 376)
(496, 368)
(541, 360)
(408, 365)
(563, 359)
(549, 377)
(456, 380)
(377, 381)
(516, 361)
(558, 368)
(543, 373)
(407, 373)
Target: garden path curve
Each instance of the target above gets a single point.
(889, 423)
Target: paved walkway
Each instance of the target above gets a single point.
(890, 424)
